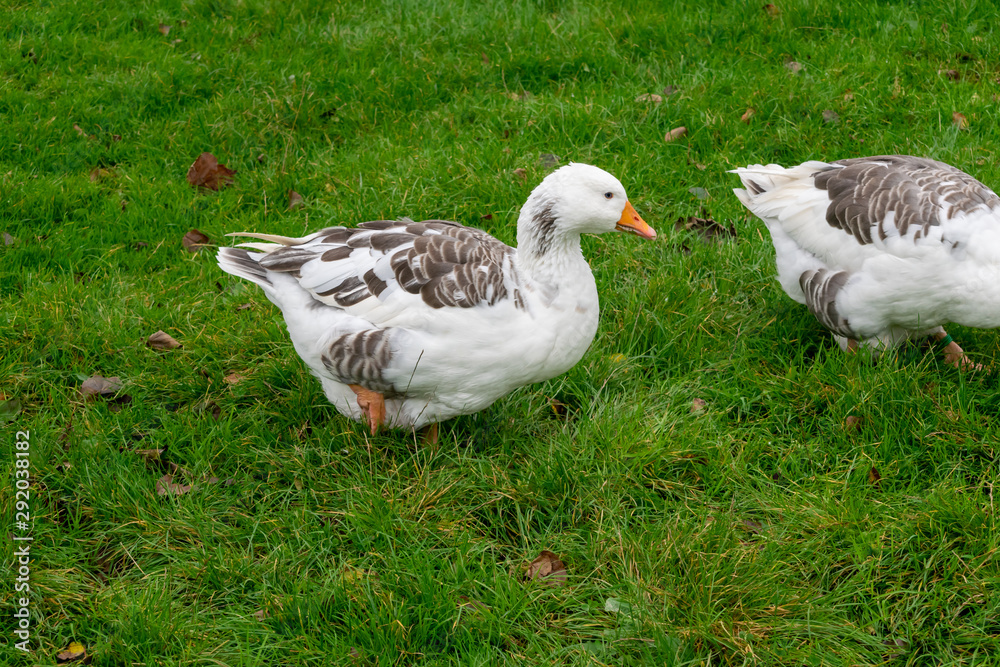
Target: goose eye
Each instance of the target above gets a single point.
(609, 195)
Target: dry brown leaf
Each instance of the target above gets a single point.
(166, 486)
(548, 160)
(697, 405)
(75, 651)
(79, 130)
(243, 306)
(669, 90)
(465, 601)
(952, 74)
(210, 407)
(707, 229)
(874, 478)
(548, 569)
(164, 29)
(652, 98)
(196, 241)
(100, 386)
(675, 134)
(748, 114)
(830, 116)
(852, 423)
(8, 239)
(234, 378)
(793, 66)
(559, 408)
(206, 172)
(260, 614)
(848, 95)
(522, 174)
(959, 120)
(295, 200)
(162, 341)
(151, 454)
(772, 10)
(99, 174)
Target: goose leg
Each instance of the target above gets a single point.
(372, 403)
(429, 434)
(954, 355)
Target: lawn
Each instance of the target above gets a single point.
(722, 485)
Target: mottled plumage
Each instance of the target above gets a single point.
(882, 248)
(437, 318)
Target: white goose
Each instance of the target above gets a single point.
(410, 323)
(885, 248)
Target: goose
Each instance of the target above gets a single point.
(883, 249)
(408, 323)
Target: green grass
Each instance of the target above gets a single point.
(751, 531)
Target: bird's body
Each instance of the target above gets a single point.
(882, 248)
(435, 319)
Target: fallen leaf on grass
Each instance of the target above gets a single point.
(162, 341)
(752, 527)
(830, 116)
(548, 569)
(697, 405)
(747, 115)
(233, 378)
(207, 173)
(522, 174)
(793, 66)
(260, 614)
(675, 134)
(959, 120)
(874, 478)
(707, 229)
(559, 408)
(79, 130)
(75, 651)
(652, 98)
(852, 423)
(772, 10)
(243, 306)
(99, 174)
(151, 454)
(164, 29)
(210, 407)
(669, 90)
(950, 73)
(548, 160)
(700, 193)
(167, 486)
(8, 239)
(100, 386)
(196, 241)
(295, 200)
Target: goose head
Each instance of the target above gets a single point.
(573, 200)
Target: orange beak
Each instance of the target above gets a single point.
(632, 223)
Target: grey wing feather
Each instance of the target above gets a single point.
(821, 287)
(918, 191)
(361, 358)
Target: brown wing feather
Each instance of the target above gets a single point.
(447, 264)
(916, 190)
